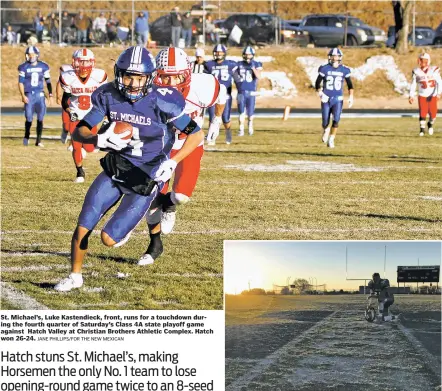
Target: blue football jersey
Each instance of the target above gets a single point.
(247, 80)
(333, 83)
(151, 118)
(32, 76)
(223, 71)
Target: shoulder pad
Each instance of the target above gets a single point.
(99, 75)
(67, 77)
(206, 87)
(65, 68)
(169, 100)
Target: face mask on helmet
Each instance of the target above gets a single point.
(83, 62)
(248, 54)
(134, 86)
(134, 72)
(32, 55)
(173, 69)
(376, 278)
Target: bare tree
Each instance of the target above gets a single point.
(300, 285)
(402, 10)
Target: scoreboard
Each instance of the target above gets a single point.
(418, 273)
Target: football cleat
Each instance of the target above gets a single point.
(430, 131)
(421, 133)
(168, 221)
(69, 283)
(25, 142)
(39, 145)
(331, 143)
(325, 135)
(228, 136)
(79, 179)
(154, 250)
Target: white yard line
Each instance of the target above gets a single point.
(263, 364)
(431, 361)
(19, 299)
(34, 254)
(241, 230)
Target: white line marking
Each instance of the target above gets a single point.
(430, 360)
(35, 254)
(19, 299)
(10, 269)
(241, 230)
(262, 365)
(33, 268)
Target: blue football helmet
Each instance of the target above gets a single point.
(135, 60)
(248, 53)
(332, 54)
(219, 52)
(32, 54)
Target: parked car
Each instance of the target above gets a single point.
(26, 30)
(263, 28)
(293, 35)
(424, 36)
(438, 36)
(160, 30)
(329, 30)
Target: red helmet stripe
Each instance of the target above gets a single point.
(84, 52)
(171, 57)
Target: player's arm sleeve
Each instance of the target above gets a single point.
(65, 100)
(318, 81)
(413, 85)
(49, 86)
(349, 82)
(98, 111)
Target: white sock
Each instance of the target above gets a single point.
(332, 137)
(76, 276)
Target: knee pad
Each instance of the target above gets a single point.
(335, 124)
(242, 117)
(153, 216)
(179, 198)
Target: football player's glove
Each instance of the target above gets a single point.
(74, 116)
(213, 131)
(110, 140)
(165, 171)
(350, 101)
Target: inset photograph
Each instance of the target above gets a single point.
(332, 315)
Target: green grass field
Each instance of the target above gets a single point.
(381, 181)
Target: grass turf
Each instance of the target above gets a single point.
(381, 181)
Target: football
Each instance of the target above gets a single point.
(121, 127)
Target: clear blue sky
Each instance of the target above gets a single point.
(264, 263)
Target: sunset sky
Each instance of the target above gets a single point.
(264, 263)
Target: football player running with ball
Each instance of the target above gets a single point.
(332, 76)
(200, 90)
(246, 80)
(31, 77)
(136, 168)
(78, 84)
(427, 77)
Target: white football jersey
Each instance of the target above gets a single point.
(81, 91)
(429, 82)
(205, 91)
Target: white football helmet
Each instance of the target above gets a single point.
(424, 60)
(83, 61)
(173, 62)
